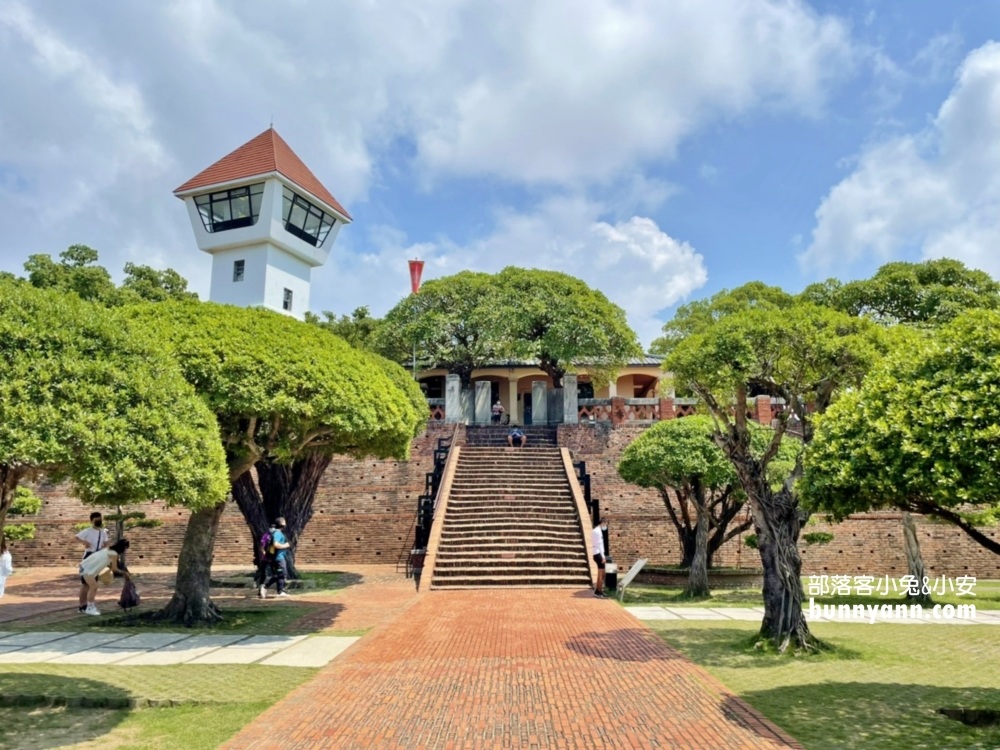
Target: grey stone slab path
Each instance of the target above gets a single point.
(169, 648)
(753, 614)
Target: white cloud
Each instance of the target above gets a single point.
(106, 112)
(635, 263)
(936, 191)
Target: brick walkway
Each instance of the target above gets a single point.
(511, 669)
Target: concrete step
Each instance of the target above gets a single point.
(505, 553)
(473, 580)
(555, 565)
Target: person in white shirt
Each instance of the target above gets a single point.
(93, 540)
(597, 546)
(96, 564)
(6, 566)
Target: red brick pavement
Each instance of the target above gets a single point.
(511, 669)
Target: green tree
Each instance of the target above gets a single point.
(86, 397)
(557, 321)
(918, 294)
(804, 354)
(77, 271)
(25, 503)
(359, 329)
(282, 391)
(699, 487)
(288, 489)
(921, 434)
(153, 285)
(700, 315)
(447, 323)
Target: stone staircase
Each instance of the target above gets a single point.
(490, 436)
(510, 520)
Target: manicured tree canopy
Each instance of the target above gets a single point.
(922, 434)
(700, 315)
(447, 322)
(680, 459)
(281, 390)
(85, 396)
(359, 329)
(920, 294)
(803, 353)
(557, 320)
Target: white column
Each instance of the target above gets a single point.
(539, 402)
(515, 417)
(482, 413)
(453, 411)
(571, 410)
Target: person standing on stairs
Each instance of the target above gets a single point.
(597, 545)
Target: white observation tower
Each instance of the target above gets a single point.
(266, 221)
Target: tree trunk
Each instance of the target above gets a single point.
(192, 602)
(697, 586)
(251, 506)
(285, 490)
(914, 561)
(777, 522)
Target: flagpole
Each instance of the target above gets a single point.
(416, 270)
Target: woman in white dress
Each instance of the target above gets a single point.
(97, 563)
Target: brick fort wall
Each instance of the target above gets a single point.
(365, 513)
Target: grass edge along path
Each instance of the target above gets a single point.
(881, 687)
(182, 706)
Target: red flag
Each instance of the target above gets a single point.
(416, 270)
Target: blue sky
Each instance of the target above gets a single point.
(660, 150)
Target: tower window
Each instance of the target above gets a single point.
(306, 221)
(239, 266)
(230, 209)
(286, 301)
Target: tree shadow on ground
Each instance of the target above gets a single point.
(833, 715)
(733, 648)
(39, 711)
(629, 644)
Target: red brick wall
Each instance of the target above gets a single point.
(863, 544)
(365, 513)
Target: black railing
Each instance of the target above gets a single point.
(593, 504)
(425, 503)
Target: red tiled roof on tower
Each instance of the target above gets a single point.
(266, 153)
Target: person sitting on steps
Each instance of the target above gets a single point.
(517, 434)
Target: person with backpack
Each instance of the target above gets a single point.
(265, 556)
(279, 566)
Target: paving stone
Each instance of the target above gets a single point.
(82, 641)
(273, 642)
(234, 655)
(312, 652)
(149, 640)
(511, 669)
(652, 613)
(171, 654)
(33, 639)
(213, 641)
(4, 634)
(97, 656)
(6, 649)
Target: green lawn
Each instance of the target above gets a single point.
(880, 688)
(987, 597)
(186, 706)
